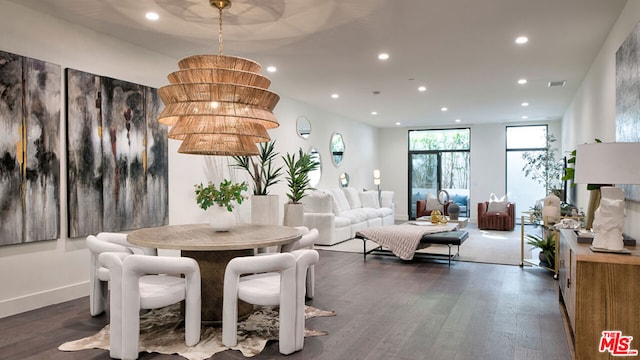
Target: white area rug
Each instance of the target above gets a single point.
(483, 246)
(160, 332)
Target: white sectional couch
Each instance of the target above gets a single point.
(339, 213)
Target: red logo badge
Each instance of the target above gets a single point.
(617, 344)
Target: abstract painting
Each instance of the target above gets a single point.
(118, 167)
(628, 98)
(29, 149)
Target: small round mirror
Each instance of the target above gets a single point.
(314, 176)
(337, 148)
(303, 127)
(344, 179)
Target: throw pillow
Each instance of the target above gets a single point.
(460, 199)
(369, 199)
(433, 203)
(497, 204)
(386, 199)
(352, 196)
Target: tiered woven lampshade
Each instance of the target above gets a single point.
(218, 105)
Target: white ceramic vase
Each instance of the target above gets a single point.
(220, 219)
(265, 209)
(293, 214)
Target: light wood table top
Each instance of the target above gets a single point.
(200, 237)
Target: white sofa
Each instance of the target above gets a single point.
(339, 213)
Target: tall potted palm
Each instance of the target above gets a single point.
(297, 175)
(263, 173)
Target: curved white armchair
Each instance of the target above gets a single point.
(278, 279)
(133, 287)
(99, 275)
(307, 241)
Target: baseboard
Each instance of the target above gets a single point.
(41, 299)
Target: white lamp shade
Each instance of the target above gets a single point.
(608, 163)
(376, 174)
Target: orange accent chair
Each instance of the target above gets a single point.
(496, 220)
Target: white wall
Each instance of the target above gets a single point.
(48, 272)
(592, 113)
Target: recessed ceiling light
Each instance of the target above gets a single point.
(397, 124)
(374, 113)
(525, 104)
(335, 96)
(153, 16)
(522, 81)
(422, 88)
(383, 56)
(522, 40)
(272, 69)
(444, 109)
(524, 117)
(458, 120)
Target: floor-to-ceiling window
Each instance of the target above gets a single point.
(439, 160)
(523, 190)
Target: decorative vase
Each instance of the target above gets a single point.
(293, 214)
(220, 219)
(435, 216)
(265, 209)
(454, 211)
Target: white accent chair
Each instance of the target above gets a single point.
(277, 279)
(139, 282)
(99, 275)
(307, 241)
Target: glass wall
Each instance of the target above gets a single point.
(439, 160)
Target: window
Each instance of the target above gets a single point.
(439, 160)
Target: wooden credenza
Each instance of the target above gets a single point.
(600, 292)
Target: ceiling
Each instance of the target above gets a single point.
(463, 51)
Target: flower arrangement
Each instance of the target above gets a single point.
(224, 195)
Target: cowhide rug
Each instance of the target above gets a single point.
(160, 332)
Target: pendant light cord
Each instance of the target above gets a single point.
(220, 47)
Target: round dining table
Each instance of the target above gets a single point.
(213, 250)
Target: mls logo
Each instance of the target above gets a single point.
(617, 344)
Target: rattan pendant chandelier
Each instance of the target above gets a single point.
(218, 104)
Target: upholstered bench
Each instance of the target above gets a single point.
(449, 238)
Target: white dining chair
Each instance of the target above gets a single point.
(307, 241)
(99, 275)
(149, 282)
(276, 279)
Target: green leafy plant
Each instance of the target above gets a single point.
(297, 174)
(223, 195)
(570, 172)
(261, 168)
(543, 167)
(546, 245)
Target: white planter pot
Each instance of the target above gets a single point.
(293, 214)
(220, 219)
(265, 209)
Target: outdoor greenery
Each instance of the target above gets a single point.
(543, 167)
(261, 168)
(453, 145)
(224, 195)
(297, 174)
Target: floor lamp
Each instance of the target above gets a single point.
(376, 182)
(608, 163)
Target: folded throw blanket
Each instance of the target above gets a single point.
(402, 240)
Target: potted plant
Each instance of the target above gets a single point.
(594, 196)
(297, 174)
(221, 199)
(547, 246)
(264, 207)
(543, 167)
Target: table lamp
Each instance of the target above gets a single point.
(608, 163)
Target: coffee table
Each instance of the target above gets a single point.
(462, 222)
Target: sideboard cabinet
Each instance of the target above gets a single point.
(600, 292)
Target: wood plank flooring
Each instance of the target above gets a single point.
(386, 309)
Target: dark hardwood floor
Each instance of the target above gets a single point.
(386, 309)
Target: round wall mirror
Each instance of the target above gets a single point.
(303, 127)
(314, 176)
(337, 148)
(344, 179)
